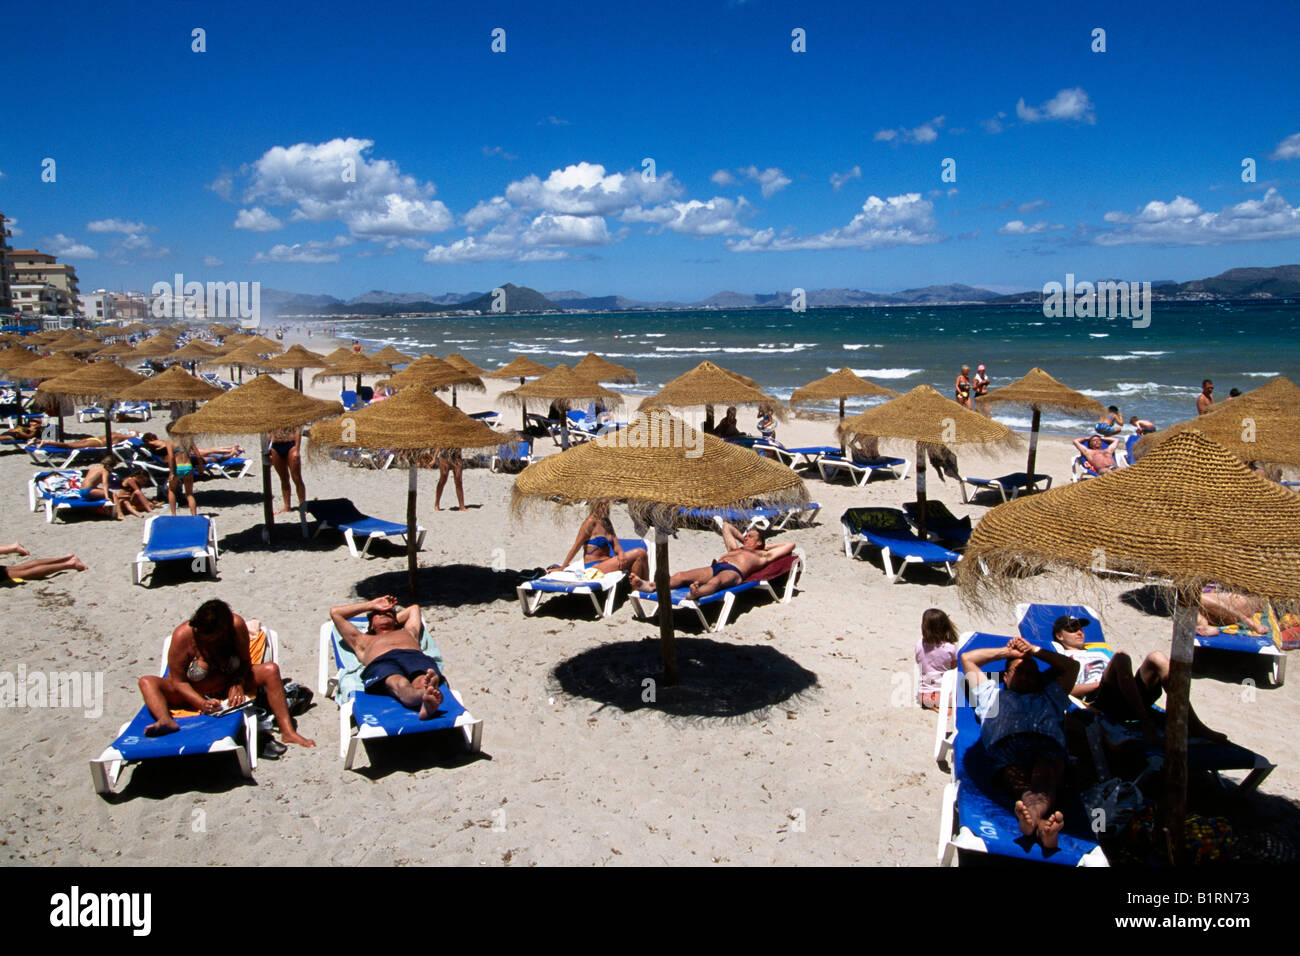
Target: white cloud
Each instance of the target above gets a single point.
(994, 123)
(257, 219)
(65, 247)
(488, 211)
(1017, 228)
(1072, 105)
(313, 251)
(498, 151)
(1032, 206)
(563, 230)
(552, 121)
(116, 225)
(212, 262)
(723, 177)
(925, 133)
(584, 189)
(897, 221)
(1289, 148)
(839, 179)
(136, 245)
(223, 185)
(12, 225)
(1184, 222)
(718, 216)
(771, 180)
(317, 181)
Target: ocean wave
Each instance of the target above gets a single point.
(854, 346)
(882, 372)
(768, 349)
(1098, 335)
(1120, 358)
(1260, 374)
(1154, 389)
(1147, 353)
(1062, 424)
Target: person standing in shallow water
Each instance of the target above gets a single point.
(962, 387)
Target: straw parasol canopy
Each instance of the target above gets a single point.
(563, 388)
(195, 350)
(243, 357)
(708, 385)
(14, 357)
(173, 385)
(521, 367)
(156, 347)
(80, 346)
(49, 367)
(297, 358)
(602, 370)
(658, 465)
(1192, 514)
(927, 418)
(1261, 425)
(390, 356)
(841, 384)
(259, 407)
(114, 351)
(338, 355)
(262, 345)
(1038, 391)
(356, 363)
(104, 381)
(456, 360)
(432, 372)
(412, 424)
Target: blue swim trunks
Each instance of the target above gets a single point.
(722, 567)
(407, 662)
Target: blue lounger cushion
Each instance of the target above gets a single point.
(173, 537)
(196, 736)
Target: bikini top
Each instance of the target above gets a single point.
(197, 670)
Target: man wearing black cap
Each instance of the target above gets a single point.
(1109, 685)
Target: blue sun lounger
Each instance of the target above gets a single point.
(760, 516)
(646, 603)
(888, 530)
(976, 818)
(572, 580)
(940, 523)
(1035, 625)
(809, 453)
(233, 733)
(861, 469)
(178, 538)
(1255, 644)
(342, 515)
(54, 490)
(1009, 486)
(365, 716)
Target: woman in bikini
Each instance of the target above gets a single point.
(180, 474)
(601, 548)
(286, 459)
(451, 463)
(209, 670)
(962, 388)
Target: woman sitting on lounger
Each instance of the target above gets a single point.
(209, 670)
(601, 548)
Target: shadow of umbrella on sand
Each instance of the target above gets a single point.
(413, 424)
(257, 408)
(658, 465)
(1189, 513)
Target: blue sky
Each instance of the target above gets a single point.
(773, 169)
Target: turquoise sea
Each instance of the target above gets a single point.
(1154, 372)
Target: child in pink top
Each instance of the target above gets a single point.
(936, 653)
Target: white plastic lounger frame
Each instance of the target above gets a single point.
(980, 484)
(530, 599)
(106, 769)
(208, 555)
(469, 725)
(853, 545)
(647, 605)
(860, 474)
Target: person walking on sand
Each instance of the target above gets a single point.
(450, 463)
(286, 459)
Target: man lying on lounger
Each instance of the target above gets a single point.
(1099, 455)
(390, 651)
(745, 555)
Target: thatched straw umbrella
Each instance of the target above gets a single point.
(390, 356)
(520, 367)
(1037, 391)
(82, 346)
(1192, 514)
(192, 353)
(927, 418)
(242, 358)
(156, 347)
(52, 366)
(1261, 425)
(173, 385)
(115, 351)
(602, 370)
(842, 384)
(432, 372)
(562, 388)
(412, 424)
(297, 358)
(262, 345)
(339, 354)
(358, 364)
(14, 357)
(708, 385)
(258, 408)
(103, 381)
(456, 360)
(659, 465)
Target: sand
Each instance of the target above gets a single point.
(795, 738)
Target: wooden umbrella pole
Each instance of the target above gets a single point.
(268, 534)
(663, 592)
(1033, 450)
(844, 452)
(1178, 701)
(920, 492)
(411, 563)
(108, 427)
(453, 396)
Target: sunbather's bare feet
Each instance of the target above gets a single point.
(639, 583)
(1206, 631)
(431, 699)
(78, 564)
(18, 549)
(1031, 810)
(1049, 830)
(293, 737)
(1028, 822)
(1256, 627)
(158, 728)
(285, 510)
(695, 590)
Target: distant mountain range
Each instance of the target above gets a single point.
(1245, 283)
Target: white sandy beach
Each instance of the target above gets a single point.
(840, 772)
